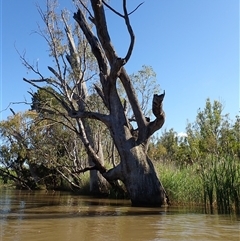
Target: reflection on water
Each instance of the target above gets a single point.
(27, 216)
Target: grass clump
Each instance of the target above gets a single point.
(182, 185)
(221, 183)
(214, 182)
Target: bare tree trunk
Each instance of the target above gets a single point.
(98, 184)
(135, 169)
(138, 174)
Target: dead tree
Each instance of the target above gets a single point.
(135, 169)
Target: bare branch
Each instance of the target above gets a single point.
(90, 150)
(51, 24)
(93, 41)
(63, 103)
(112, 9)
(11, 176)
(28, 66)
(119, 14)
(126, 18)
(101, 94)
(85, 169)
(102, 30)
(136, 8)
(68, 179)
(91, 115)
(130, 30)
(14, 103)
(91, 16)
(132, 97)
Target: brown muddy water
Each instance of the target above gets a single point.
(40, 216)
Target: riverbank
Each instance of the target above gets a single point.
(213, 183)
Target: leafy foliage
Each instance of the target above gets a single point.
(210, 151)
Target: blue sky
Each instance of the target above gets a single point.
(192, 45)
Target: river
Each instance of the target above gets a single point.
(60, 216)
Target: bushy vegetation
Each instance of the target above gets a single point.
(202, 167)
(183, 185)
(214, 185)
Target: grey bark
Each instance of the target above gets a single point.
(135, 170)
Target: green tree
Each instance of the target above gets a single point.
(212, 132)
(169, 141)
(74, 54)
(16, 149)
(65, 152)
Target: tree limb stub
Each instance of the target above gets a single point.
(114, 173)
(157, 109)
(91, 115)
(85, 169)
(157, 105)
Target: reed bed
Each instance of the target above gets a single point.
(221, 183)
(214, 183)
(183, 186)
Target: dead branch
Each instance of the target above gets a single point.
(14, 103)
(129, 27)
(102, 30)
(28, 66)
(60, 100)
(112, 9)
(93, 41)
(66, 178)
(84, 6)
(119, 14)
(85, 169)
(157, 109)
(132, 97)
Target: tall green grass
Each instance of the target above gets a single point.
(183, 186)
(214, 183)
(221, 183)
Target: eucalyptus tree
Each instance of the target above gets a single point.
(212, 133)
(229, 138)
(169, 141)
(68, 48)
(15, 150)
(60, 148)
(206, 134)
(39, 153)
(135, 169)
